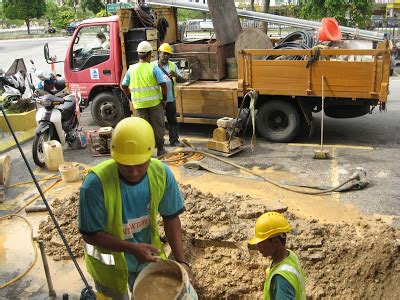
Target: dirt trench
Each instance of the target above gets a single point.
(358, 260)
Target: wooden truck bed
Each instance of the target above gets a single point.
(204, 102)
(343, 79)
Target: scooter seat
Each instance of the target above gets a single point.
(68, 110)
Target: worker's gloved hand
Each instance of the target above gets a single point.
(144, 252)
(164, 103)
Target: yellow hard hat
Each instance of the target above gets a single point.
(132, 141)
(165, 48)
(269, 224)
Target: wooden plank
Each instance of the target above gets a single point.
(219, 85)
(122, 14)
(198, 120)
(225, 20)
(323, 52)
(265, 80)
(297, 92)
(207, 102)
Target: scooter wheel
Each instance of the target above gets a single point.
(37, 148)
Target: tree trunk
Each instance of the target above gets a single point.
(252, 5)
(27, 21)
(265, 9)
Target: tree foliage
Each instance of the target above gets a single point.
(92, 5)
(63, 17)
(24, 10)
(103, 13)
(51, 10)
(354, 13)
(74, 4)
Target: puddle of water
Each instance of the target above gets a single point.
(15, 245)
(324, 208)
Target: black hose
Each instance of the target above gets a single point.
(162, 26)
(302, 40)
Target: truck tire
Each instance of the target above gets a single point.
(278, 121)
(107, 110)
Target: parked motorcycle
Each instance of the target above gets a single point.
(57, 120)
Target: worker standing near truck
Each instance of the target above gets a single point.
(119, 202)
(285, 278)
(142, 83)
(171, 74)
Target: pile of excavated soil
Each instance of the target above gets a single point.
(66, 213)
(339, 260)
(359, 260)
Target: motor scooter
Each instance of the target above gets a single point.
(58, 120)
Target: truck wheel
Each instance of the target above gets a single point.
(278, 121)
(107, 110)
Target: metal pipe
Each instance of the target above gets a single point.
(52, 293)
(306, 24)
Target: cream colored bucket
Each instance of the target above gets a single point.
(165, 279)
(69, 171)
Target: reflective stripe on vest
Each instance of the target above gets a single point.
(109, 268)
(289, 269)
(107, 259)
(145, 90)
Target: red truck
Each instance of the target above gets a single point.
(95, 71)
(289, 92)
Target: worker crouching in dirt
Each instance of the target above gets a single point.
(118, 206)
(285, 278)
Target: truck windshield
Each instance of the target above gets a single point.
(91, 47)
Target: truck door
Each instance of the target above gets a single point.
(90, 59)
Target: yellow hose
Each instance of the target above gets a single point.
(37, 196)
(15, 279)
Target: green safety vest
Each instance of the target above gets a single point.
(171, 66)
(109, 268)
(145, 90)
(290, 269)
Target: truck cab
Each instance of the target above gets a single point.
(93, 67)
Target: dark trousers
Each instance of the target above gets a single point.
(170, 112)
(155, 116)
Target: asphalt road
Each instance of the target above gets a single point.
(380, 131)
(32, 49)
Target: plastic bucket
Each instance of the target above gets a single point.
(330, 30)
(53, 155)
(231, 68)
(69, 171)
(165, 279)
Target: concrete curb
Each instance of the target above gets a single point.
(8, 143)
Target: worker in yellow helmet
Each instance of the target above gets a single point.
(146, 87)
(285, 278)
(119, 202)
(171, 75)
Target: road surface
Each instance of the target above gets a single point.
(371, 142)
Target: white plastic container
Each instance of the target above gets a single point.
(53, 155)
(164, 279)
(69, 171)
